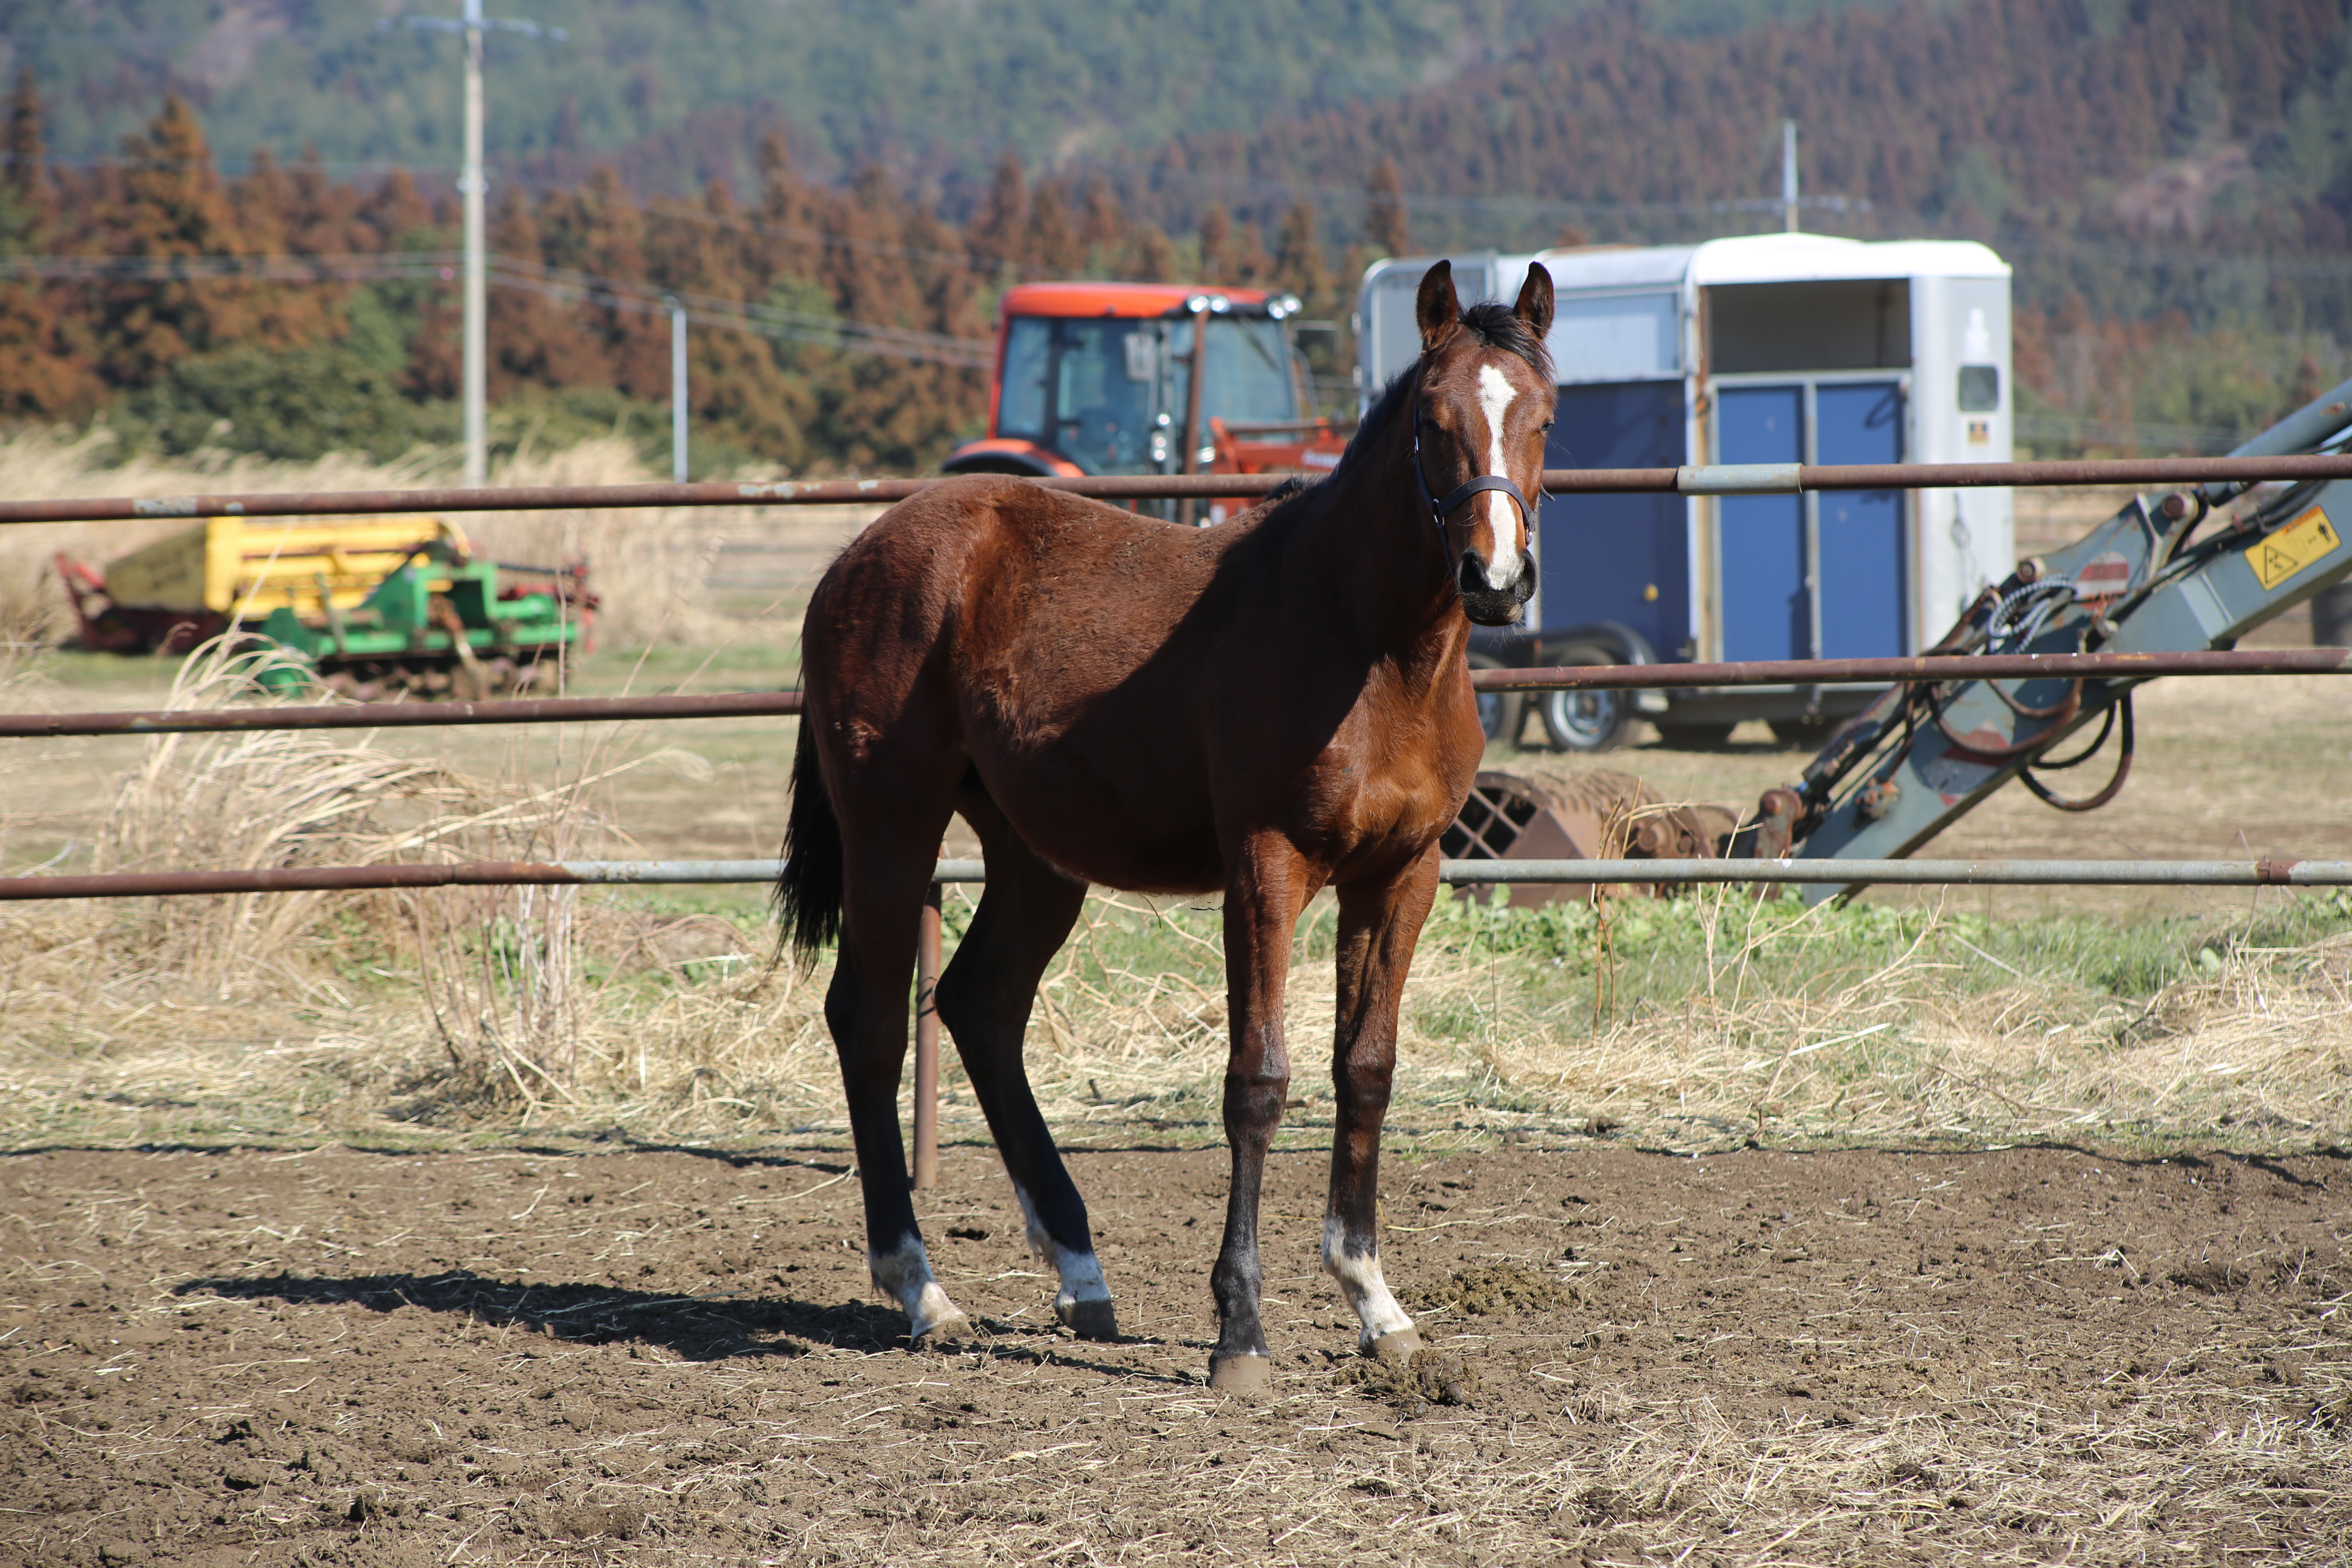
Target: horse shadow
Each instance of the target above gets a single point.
(693, 1328)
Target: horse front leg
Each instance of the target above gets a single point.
(1378, 924)
(1268, 887)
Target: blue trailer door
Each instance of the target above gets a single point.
(1862, 573)
(1760, 541)
(1621, 558)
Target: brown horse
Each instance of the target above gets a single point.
(1261, 709)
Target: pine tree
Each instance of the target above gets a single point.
(44, 373)
(395, 216)
(172, 205)
(1102, 223)
(994, 236)
(1298, 259)
(1384, 214)
(1217, 261)
(30, 194)
(1049, 243)
(1150, 256)
(787, 251)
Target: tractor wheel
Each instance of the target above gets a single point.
(1804, 734)
(1577, 721)
(1501, 714)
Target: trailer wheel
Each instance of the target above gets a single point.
(1501, 714)
(1694, 737)
(1585, 721)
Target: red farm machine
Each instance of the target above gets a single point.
(1151, 378)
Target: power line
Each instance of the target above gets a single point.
(517, 274)
(678, 209)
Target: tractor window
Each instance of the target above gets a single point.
(1249, 372)
(1102, 408)
(1020, 405)
(1095, 388)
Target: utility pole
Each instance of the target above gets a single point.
(472, 187)
(676, 389)
(1788, 172)
(473, 190)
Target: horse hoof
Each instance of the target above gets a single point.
(953, 1328)
(1401, 1344)
(1088, 1319)
(1240, 1373)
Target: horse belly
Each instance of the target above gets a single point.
(1142, 822)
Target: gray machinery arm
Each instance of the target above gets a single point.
(2144, 581)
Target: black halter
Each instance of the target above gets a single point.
(1439, 511)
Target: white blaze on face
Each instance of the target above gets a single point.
(1361, 1282)
(1502, 551)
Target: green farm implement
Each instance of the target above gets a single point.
(372, 607)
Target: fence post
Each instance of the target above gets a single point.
(927, 1042)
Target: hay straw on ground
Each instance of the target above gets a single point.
(498, 1006)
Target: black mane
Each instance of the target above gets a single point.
(1491, 322)
(1499, 326)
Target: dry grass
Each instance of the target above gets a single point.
(493, 1007)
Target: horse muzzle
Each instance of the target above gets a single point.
(1503, 607)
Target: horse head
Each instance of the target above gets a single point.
(1483, 404)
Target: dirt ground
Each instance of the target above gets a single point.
(575, 1353)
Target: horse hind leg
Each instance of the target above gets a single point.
(887, 873)
(985, 998)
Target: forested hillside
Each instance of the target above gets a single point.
(280, 311)
(677, 94)
(2173, 179)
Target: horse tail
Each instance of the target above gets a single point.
(809, 891)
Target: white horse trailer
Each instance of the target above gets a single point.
(1780, 348)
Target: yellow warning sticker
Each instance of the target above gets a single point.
(2301, 543)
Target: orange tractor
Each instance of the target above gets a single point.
(1149, 378)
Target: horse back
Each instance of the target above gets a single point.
(1128, 691)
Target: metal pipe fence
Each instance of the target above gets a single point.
(400, 715)
(1454, 873)
(1720, 479)
(1548, 677)
(1751, 479)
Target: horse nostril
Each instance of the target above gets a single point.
(1472, 573)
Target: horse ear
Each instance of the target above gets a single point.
(1435, 307)
(1535, 301)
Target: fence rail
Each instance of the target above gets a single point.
(1941, 666)
(400, 715)
(1550, 678)
(1751, 478)
(1457, 873)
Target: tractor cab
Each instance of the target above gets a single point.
(1095, 379)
